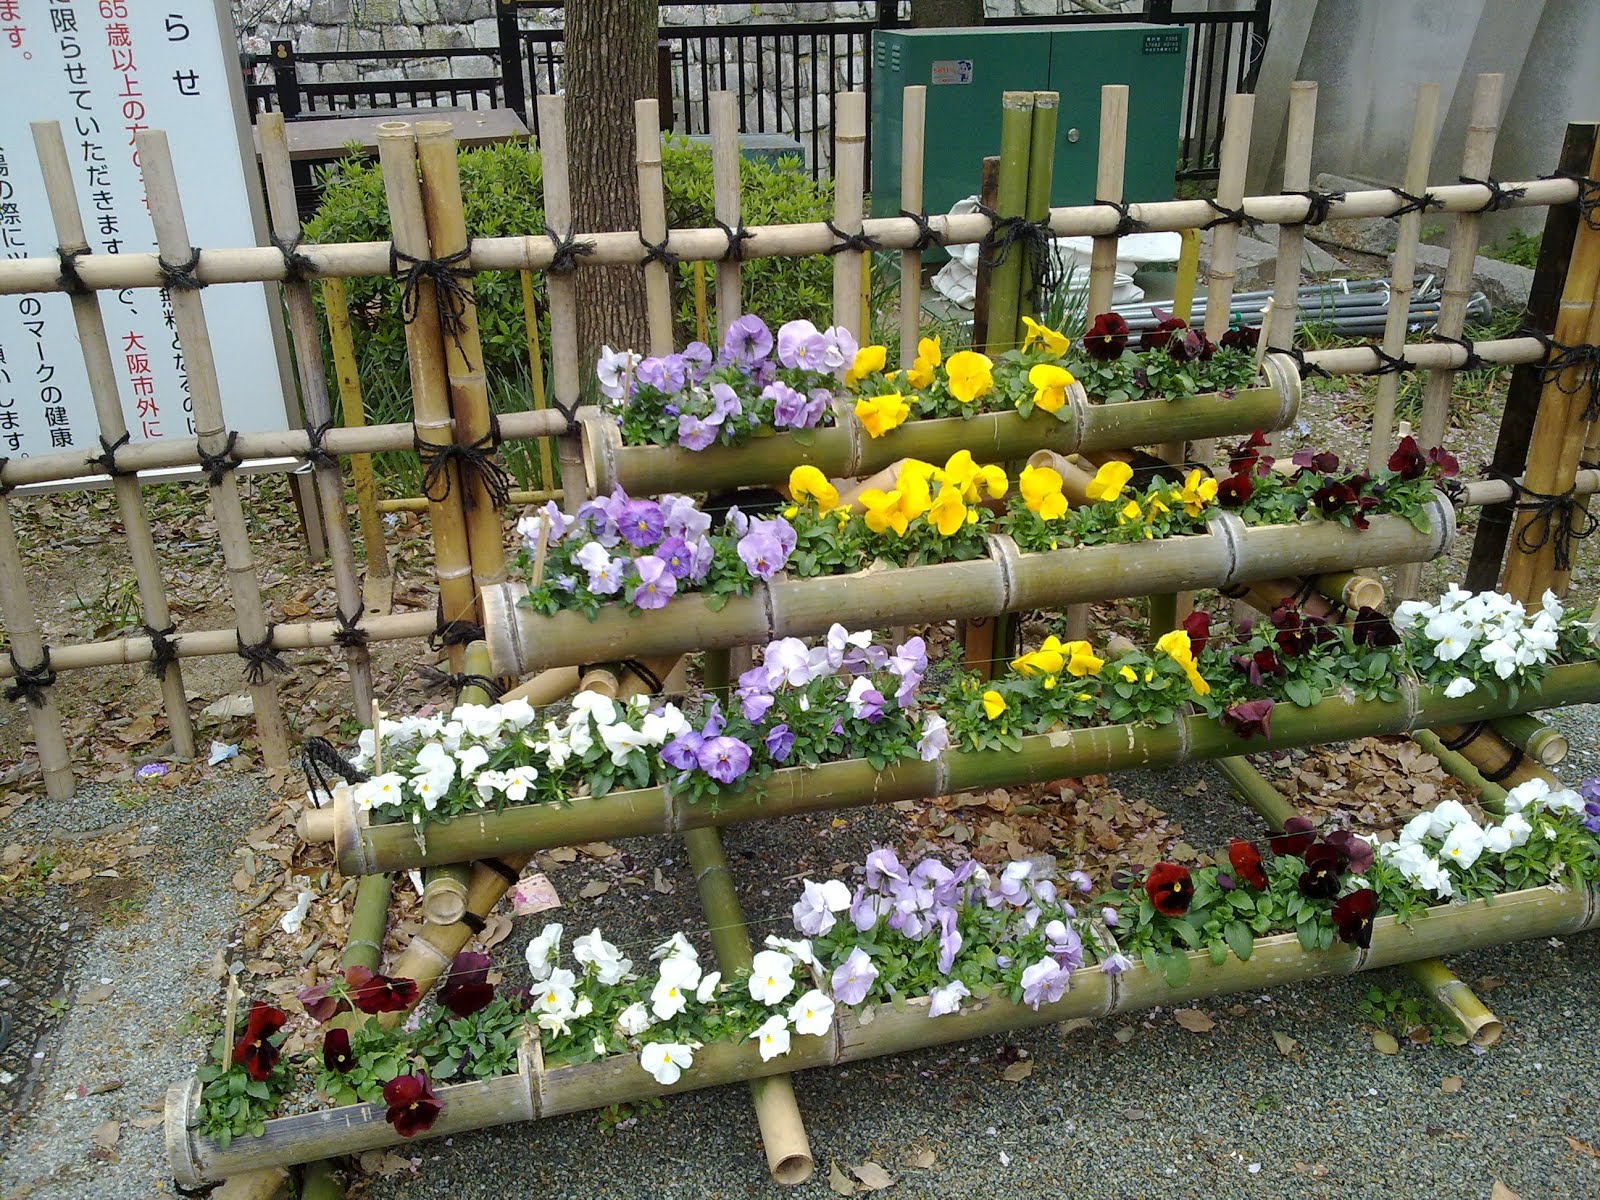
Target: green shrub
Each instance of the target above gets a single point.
(1520, 247)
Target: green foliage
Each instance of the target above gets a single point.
(1520, 247)
(1409, 1014)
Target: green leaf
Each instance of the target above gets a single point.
(1240, 940)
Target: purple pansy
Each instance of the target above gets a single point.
(697, 433)
(657, 584)
(748, 340)
(641, 523)
(724, 758)
(854, 977)
(675, 552)
(780, 743)
(1044, 982)
(682, 753)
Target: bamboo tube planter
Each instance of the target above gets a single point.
(1545, 744)
(362, 847)
(538, 1090)
(521, 640)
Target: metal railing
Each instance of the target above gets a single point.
(297, 97)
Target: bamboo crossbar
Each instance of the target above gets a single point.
(537, 1091)
(362, 847)
(534, 251)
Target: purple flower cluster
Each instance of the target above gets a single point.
(709, 749)
(1589, 789)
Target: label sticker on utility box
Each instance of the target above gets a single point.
(1168, 41)
(952, 70)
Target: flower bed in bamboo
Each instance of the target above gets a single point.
(536, 1090)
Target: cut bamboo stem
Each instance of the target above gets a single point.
(983, 284)
(1546, 744)
(444, 889)
(1108, 188)
(172, 235)
(91, 330)
(28, 650)
(1301, 129)
(1233, 161)
(353, 413)
(849, 184)
(530, 329)
(1419, 160)
(274, 141)
(653, 222)
(727, 204)
(1254, 789)
(420, 503)
(1351, 590)
(1469, 1013)
(1011, 201)
(1457, 764)
(1041, 173)
(913, 138)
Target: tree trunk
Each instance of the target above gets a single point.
(610, 63)
(946, 14)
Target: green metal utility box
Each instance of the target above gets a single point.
(966, 70)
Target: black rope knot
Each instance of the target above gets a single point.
(348, 633)
(322, 763)
(862, 242)
(1468, 735)
(1035, 236)
(1474, 362)
(1230, 216)
(106, 460)
(1415, 204)
(474, 460)
(297, 267)
(451, 293)
(1126, 222)
(1510, 765)
(1388, 364)
(1557, 517)
(1499, 197)
(1298, 356)
(927, 236)
(30, 682)
(181, 276)
(460, 632)
(163, 650)
(443, 680)
(215, 466)
(567, 252)
(1585, 361)
(259, 658)
(70, 281)
(1317, 205)
(736, 240)
(315, 454)
(643, 673)
(1588, 200)
(658, 252)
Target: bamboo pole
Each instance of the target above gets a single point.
(352, 411)
(530, 327)
(28, 649)
(1351, 590)
(263, 264)
(1108, 188)
(913, 139)
(1041, 174)
(172, 235)
(1254, 789)
(983, 284)
(702, 331)
(849, 185)
(274, 141)
(420, 503)
(1545, 744)
(1011, 200)
(1419, 160)
(1492, 795)
(1233, 161)
(564, 361)
(463, 352)
(430, 394)
(91, 329)
(783, 1133)
(1292, 238)
(653, 222)
(726, 201)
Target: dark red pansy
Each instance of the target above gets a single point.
(1296, 837)
(1107, 337)
(467, 988)
(1246, 862)
(375, 993)
(1247, 456)
(1250, 718)
(1320, 880)
(320, 1003)
(1372, 628)
(1155, 339)
(1191, 345)
(336, 1054)
(1332, 499)
(1408, 461)
(1198, 626)
(1324, 462)
(1444, 462)
(1352, 916)
(1240, 337)
(255, 1051)
(1357, 851)
(1235, 491)
(1170, 889)
(413, 1108)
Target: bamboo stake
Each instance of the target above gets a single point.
(1011, 200)
(1546, 744)
(530, 326)
(1041, 174)
(653, 222)
(28, 649)
(1419, 160)
(983, 285)
(1108, 188)
(849, 184)
(1492, 795)
(1351, 590)
(172, 235)
(274, 141)
(452, 565)
(725, 164)
(91, 329)
(352, 409)
(1254, 789)
(1278, 329)
(420, 503)
(701, 329)
(469, 388)
(913, 138)
(564, 363)
(777, 1114)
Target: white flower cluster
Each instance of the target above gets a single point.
(1446, 838)
(1485, 628)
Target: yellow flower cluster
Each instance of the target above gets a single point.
(1109, 481)
(1041, 492)
(879, 414)
(1176, 646)
(929, 355)
(960, 482)
(1077, 659)
(808, 483)
(1054, 342)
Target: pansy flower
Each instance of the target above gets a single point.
(1170, 889)
(336, 1054)
(412, 1105)
(1246, 862)
(1296, 838)
(467, 988)
(1353, 914)
(375, 993)
(1107, 337)
(255, 1051)
(1250, 718)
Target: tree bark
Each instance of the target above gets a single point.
(946, 14)
(610, 63)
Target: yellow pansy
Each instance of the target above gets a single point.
(971, 375)
(1050, 682)
(1199, 490)
(915, 482)
(1154, 507)
(880, 414)
(1050, 384)
(1056, 343)
(958, 471)
(992, 480)
(1041, 492)
(929, 356)
(885, 512)
(1196, 680)
(1109, 481)
(1082, 660)
(948, 513)
(792, 511)
(1129, 674)
(806, 482)
(1048, 659)
(1176, 646)
(993, 704)
(868, 361)
(1129, 513)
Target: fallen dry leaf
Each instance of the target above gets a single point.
(1583, 1148)
(595, 887)
(1487, 984)
(597, 849)
(1450, 1084)
(922, 1159)
(1124, 1035)
(94, 995)
(1018, 1071)
(106, 1133)
(1501, 1192)
(1194, 1020)
(662, 884)
(873, 1177)
(839, 1183)
(1384, 1043)
(1286, 1044)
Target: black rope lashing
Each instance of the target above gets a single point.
(106, 460)
(459, 632)
(1466, 737)
(475, 460)
(30, 682)
(1500, 197)
(1415, 204)
(1588, 200)
(1317, 205)
(1298, 356)
(1559, 518)
(928, 238)
(657, 252)
(181, 276)
(1388, 364)
(316, 455)
(1229, 216)
(1585, 360)
(1006, 232)
(472, 921)
(204, 1189)
(736, 240)
(217, 465)
(297, 267)
(567, 252)
(348, 633)
(862, 242)
(70, 281)
(442, 680)
(322, 762)
(1474, 361)
(502, 869)
(1126, 222)
(1511, 764)
(163, 650)
(643, 674)
(1454, 490)
(259, 658)
(448, 276)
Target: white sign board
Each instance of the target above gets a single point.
(107, 69)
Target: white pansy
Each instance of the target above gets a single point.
(1527, 795)
(773, 1037)
(670, 996)
(1463, 845)
(707, 991)
(602, 708)
(622, 740)
(544, 951)
(771, 977)
(812, 1014)
(1563, 800)
(1459, 687)
(469, 759)
(489, 784)
(1497, 839)
(798, 949)
(947, 999)
(579, 740)
(633, 1020)
(518, 781)
(518, 713)
(1434, 878)
(1419, 827)
(379, 792)
(1517, 827)
(1446, 815)
(610, 967)
(666, 1061)
(478, 720)
(1410, 613)
(555, 993)
(676, 946)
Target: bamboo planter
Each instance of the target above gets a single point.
(363, 847)
(522, 641)
(846, 451)
(537, 1091)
